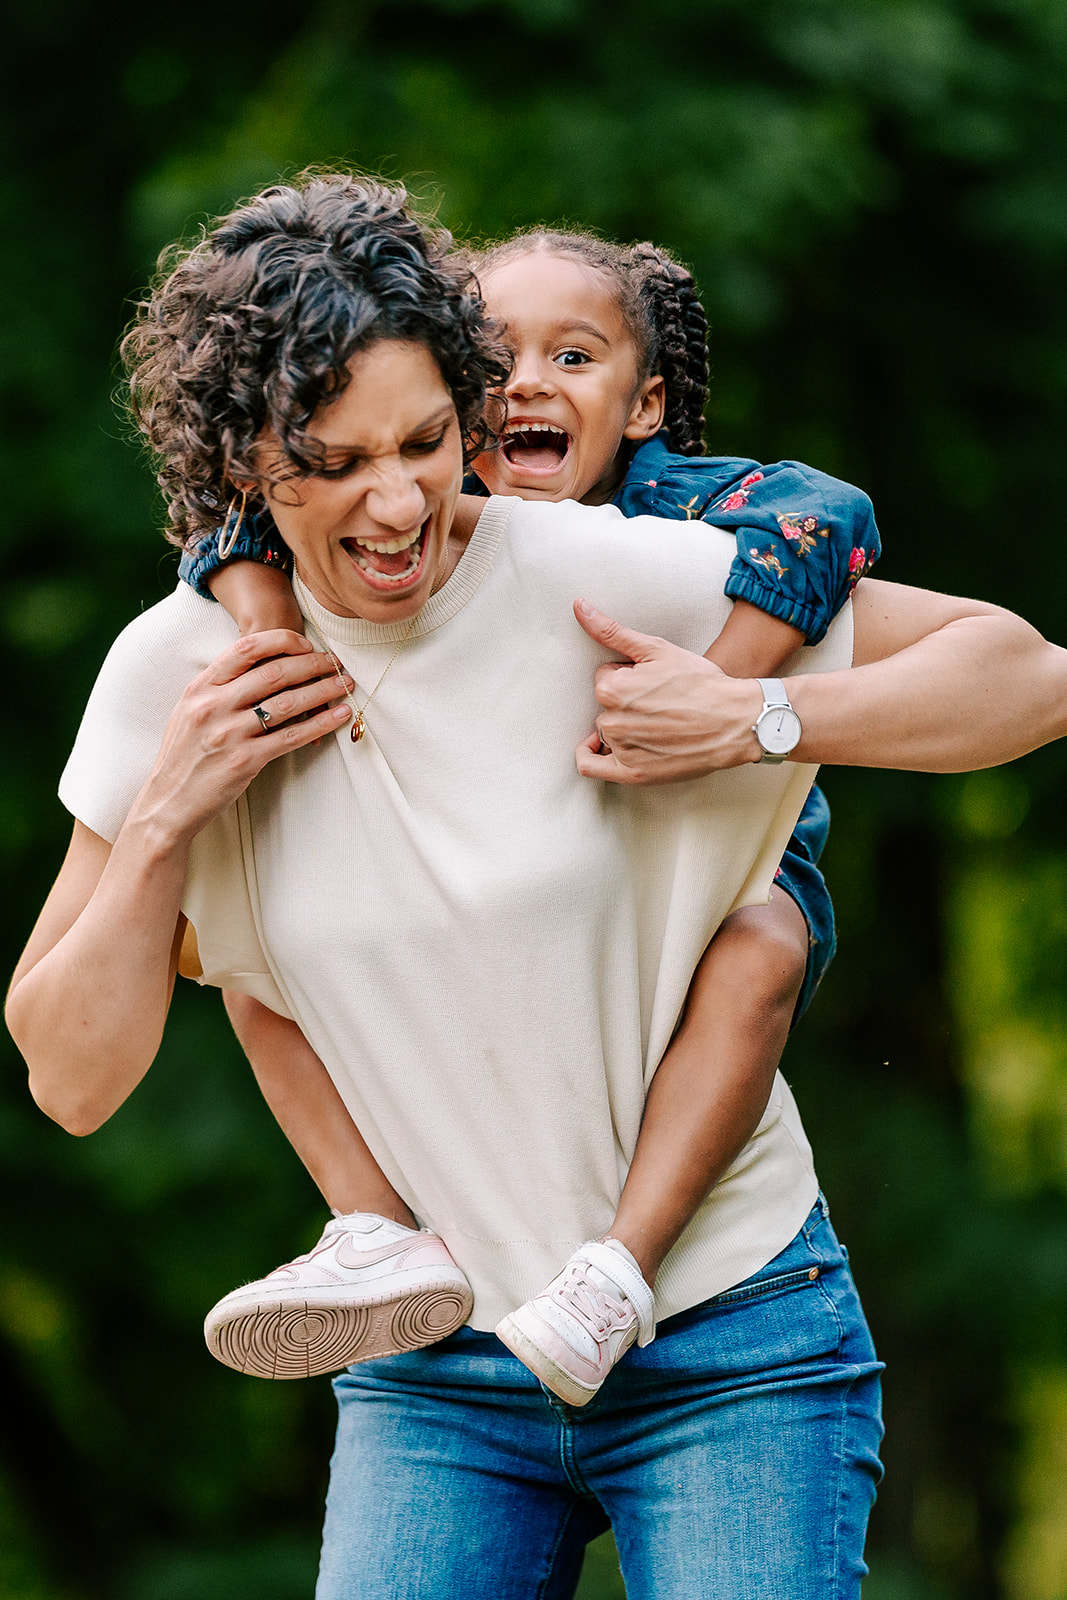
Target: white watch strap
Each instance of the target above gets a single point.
(773, 693)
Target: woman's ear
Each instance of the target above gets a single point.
(647, 411)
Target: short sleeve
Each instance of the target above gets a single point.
(143, 677)
(804, 540)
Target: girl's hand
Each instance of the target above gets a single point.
(215, 743)
(666, 714)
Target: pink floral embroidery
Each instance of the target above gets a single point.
(739, 498)
(857, 566)
(802, 531)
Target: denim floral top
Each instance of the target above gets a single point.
(804, 539)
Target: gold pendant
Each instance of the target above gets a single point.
(359, 727)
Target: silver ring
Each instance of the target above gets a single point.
(264, 718)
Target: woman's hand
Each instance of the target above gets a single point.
(215, 742)
(666, 714)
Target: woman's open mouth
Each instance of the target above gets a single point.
(535, 447)
(390, 564)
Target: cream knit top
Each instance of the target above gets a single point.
(488, 952)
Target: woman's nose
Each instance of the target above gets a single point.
(395, 498)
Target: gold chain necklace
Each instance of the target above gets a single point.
(359, 725)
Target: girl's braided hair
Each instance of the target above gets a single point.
(254, 327)
(658, 298)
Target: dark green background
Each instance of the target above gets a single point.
(874, 196)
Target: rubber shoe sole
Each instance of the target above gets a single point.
(318, 1333)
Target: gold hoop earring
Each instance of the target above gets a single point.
(228, 540)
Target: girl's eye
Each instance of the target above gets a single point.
(572, 358)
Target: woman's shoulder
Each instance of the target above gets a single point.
(143, 676)
(659, 576)
(160, 651)
(563, 533)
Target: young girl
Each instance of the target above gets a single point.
(604, 403)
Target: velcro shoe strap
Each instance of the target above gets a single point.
(623, 1270)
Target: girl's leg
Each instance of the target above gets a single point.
(373, 1284)
(706, 1100)
(712, 1086)
(737, 1456)
(310, 1112)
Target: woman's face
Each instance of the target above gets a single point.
(574, 394)
(370, 532)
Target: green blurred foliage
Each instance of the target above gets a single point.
(874, 196)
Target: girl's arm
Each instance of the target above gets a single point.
(753, 644)
(804, 540)
(90, 996)
(245, 566)
(257, 597)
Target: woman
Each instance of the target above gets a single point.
(488, 951)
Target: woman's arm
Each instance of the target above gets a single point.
(91, 993)
(90, 996)
(939, 684)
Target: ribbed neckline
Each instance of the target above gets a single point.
(450, 599)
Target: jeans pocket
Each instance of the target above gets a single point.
(759, 1288)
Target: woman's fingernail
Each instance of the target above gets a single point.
(584, 607)
(341, 713)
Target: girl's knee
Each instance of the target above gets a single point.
(762, 952)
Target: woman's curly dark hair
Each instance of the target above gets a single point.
(659, 301)
(256, 323)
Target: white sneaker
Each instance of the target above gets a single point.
(572, 1334)
(370, 1287)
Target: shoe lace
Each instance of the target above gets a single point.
(598, 1311)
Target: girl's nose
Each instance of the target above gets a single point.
(529, 376)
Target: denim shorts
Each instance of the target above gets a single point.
(735, 1457)
(799, 875)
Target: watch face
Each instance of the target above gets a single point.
(778, 730)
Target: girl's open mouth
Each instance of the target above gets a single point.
(537, 447)
(390, 564)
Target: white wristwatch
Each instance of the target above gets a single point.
(777, 727)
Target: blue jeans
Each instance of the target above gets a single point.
(735, 1458)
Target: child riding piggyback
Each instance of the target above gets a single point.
(604, 405)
